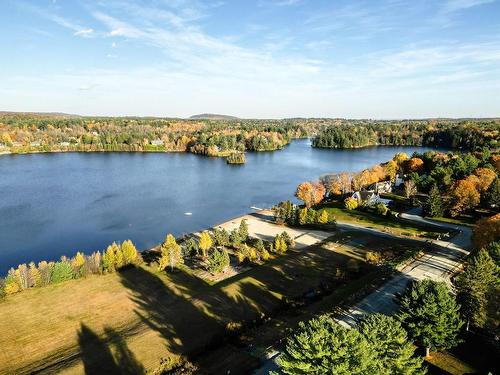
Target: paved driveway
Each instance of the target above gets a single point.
(438, 264)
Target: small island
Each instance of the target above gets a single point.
(236, 158)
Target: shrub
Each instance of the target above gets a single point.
(351, 203)
(303, 216)
(288, 240)
(11, 284)
(323, 217)
(264, 255)
(381, 209)
(373, 257)
(280, 245)
(218, 261)
(62, 271)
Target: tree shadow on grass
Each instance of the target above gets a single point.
(195, 318)
(97, 355)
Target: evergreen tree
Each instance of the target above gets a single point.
(430, 314)
(218, 261)
(321, 346)
(243, 230)
(494, 250)
(389, 341)
(62, 272)
(235, 239)
(474, 285)
(434, 205)
(170, 254)
(493, 195)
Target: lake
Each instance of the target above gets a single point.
(57, 204)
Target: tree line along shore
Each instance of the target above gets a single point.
(26, 133)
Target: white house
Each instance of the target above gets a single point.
(369, 198)
(157, 142)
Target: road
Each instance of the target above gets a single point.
(438, 264)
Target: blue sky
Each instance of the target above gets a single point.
(262, 58)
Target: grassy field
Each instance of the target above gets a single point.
(384, 223)
(136, 317)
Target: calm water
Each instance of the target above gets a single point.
(55, 204)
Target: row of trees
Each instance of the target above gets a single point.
(211, 249)
(287, 212)
(115, 257)
(429, 316)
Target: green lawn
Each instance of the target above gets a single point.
(384, 223)
(138, 316)
(460, 220)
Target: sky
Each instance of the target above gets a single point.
(383, 59)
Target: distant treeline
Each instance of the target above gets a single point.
(21, 133)
(465, 134)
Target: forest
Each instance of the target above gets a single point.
(463, 134)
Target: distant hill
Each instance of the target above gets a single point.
(212, 116)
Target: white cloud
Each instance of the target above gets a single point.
(85, 33)
(457, 5)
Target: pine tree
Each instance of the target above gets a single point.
(321, 346)
(430, 314)
(218, 261)
(170, 254)
(243, 230)
(474, 285)
(205, 243)
(493, 195)
(434, 204)
(389, 340)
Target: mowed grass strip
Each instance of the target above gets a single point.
(138, 316)
(367, 219)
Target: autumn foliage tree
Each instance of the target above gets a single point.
(464, 196)
(311, 193)
(486, 231)
(205, 243)
(414, 165)
(170, 254)
(485, 178)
